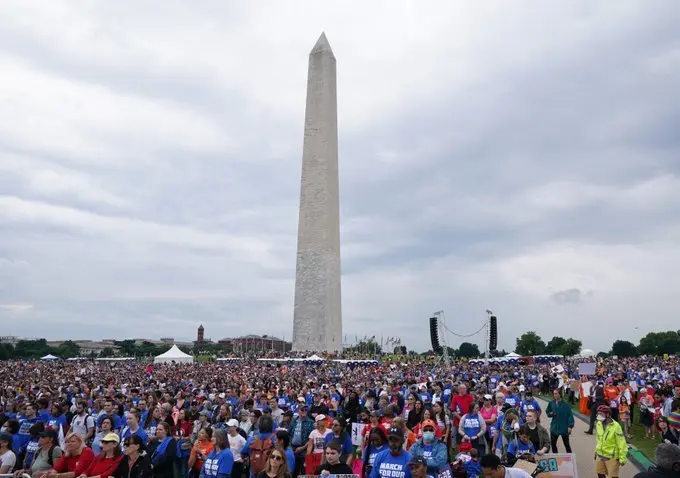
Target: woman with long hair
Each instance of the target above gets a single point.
(163, 457)
(201, 449)
(377, 442)
(415, 416)
(276, 466)
(443, 421)
(137, 462)
(108, 462)
(220, 462)
(668, 435)
(151, 421)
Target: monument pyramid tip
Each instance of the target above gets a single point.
(322, 45)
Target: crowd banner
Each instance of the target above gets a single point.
(357, 433)
(557, 465)
(586, 368)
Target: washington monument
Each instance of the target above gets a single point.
(317, 317)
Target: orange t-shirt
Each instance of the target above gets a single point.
(205, 447)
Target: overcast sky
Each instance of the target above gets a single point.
(522, 157)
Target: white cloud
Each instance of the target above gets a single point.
(16, 308)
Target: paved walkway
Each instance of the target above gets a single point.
(583, 446)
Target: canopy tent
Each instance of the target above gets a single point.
(314, 358)
(513, 355)
(50, 357)
(174, 355)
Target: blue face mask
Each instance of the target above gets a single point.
(428, 437)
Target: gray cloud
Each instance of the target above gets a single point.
(568, 296)
(149, 174)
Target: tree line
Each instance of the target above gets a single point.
(35, 349)
(530, 343)
(654, 343)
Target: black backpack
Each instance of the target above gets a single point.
(50, 456)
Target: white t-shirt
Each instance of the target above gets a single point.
(319, 439)
(8, 459)
(81, 424)
(516, 473)
(236, 445)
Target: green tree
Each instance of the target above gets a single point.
(570, 348)
(106, 352)
(468, 349)
(128, 348)
(555, 345)
(659, 343)
(623, 348)
(68, 349)
(147, 349)
(530, 343)
(6, 351)
(32, 349)
(498, 353)
(367, 345)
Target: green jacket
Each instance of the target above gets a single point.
(611, 442)
(562, 417)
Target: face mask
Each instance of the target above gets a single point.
(428, 437)
(516, 426)
(600, 418)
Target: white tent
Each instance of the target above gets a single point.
(513, 355)
(314, 358)
(50, 357)
(174, 355)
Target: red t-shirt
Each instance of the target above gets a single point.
(102, 466)
(76, 464)
(461, 404)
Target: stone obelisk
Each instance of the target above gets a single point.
(317, 322)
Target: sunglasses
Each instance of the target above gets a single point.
(105, 442)
(276, 457)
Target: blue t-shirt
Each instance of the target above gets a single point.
(516, 447)
(25, 425)
(127, 432)
(371, 452)
(472, 425)
(218, 463)
(512, 400)
(117, 421)
(387, 465)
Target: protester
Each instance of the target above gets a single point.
(611, 449)
(562, 422)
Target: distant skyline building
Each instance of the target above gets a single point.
(317, 316)
(200, 334)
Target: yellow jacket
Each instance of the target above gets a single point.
(611, 442)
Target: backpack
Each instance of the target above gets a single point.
(50, 456)
(259, 453)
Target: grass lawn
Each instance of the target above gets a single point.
(637, 433)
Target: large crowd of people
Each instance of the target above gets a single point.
(398, 418)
